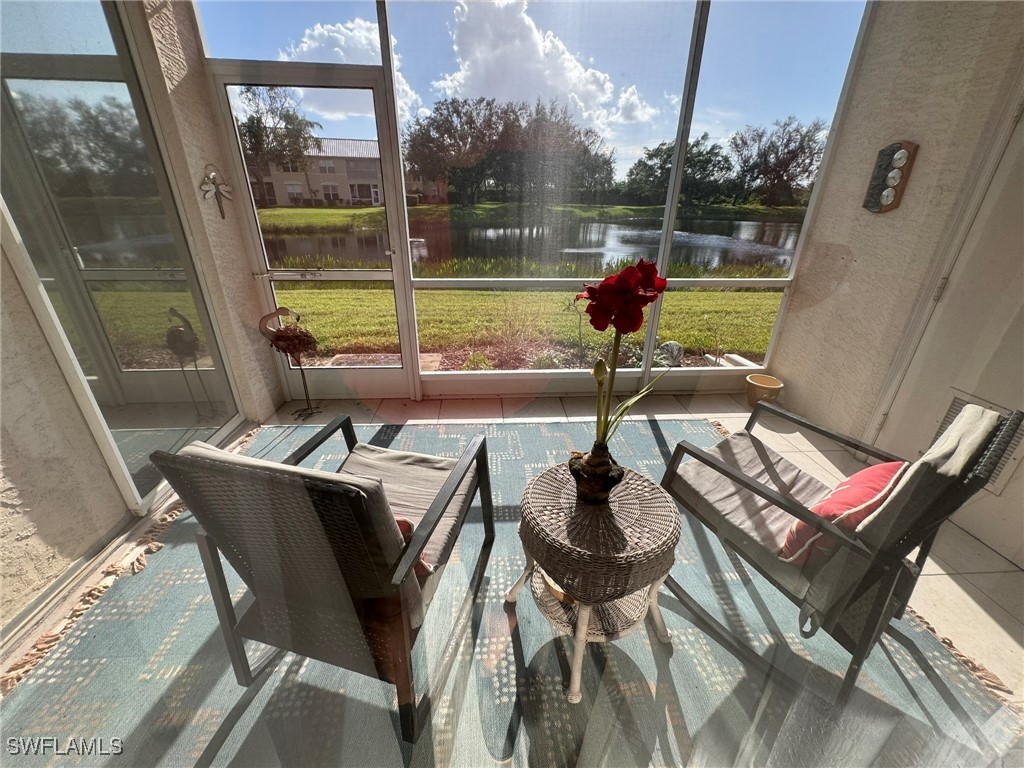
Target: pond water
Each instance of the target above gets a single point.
(510, 251)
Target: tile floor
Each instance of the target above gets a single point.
(968, 592)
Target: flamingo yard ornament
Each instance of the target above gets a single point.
(183, 342)
(292, 340)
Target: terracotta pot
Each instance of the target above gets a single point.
(596, 473)
(761, 386)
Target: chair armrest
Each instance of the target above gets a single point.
(344, 423)
(849, 442)
(475, 452)
(791, 507)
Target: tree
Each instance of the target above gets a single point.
(471, 144)
(778, 163)
(560, 158)
(647, 178)
(87, 148)
(455, 145)
(595, 164)
(706, 172)
(274, 132)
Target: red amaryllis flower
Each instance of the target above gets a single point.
(619, 300)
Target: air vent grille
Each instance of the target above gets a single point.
(1011, 454)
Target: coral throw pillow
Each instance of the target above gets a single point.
(852, 501)
(422, 568)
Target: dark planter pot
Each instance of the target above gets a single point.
(596, 473)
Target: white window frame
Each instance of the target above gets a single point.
(332, 382)
(458, 383)
(139, 82)
(334, 193)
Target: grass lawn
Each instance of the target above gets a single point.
(298, 220)
(349, 319)
(362, 318)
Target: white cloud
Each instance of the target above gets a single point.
(631, 108)
(350, 42)
(673, 99)
(503, 54)
(719, 124)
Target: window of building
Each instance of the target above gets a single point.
(294, 193)
(364, 194)
(268, 196)
(327, 166)
(331, 192)
(363, 167)
(290, 168)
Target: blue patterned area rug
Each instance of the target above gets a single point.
(135, 445)
(147, 664)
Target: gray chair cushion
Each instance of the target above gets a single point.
(411, 481)
(752, 525)
(930, 477)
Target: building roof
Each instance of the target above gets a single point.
(347, 148)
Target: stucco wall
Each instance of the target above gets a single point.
(58, 501)
(937, 74)
(975, 343)
(169, 48)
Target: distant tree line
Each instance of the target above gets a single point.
(469, 147)
(774, 166)
(87, 148)
(473, 148)
(512, 149)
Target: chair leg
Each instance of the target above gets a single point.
(225, 610)
(579, 646)
(850, 680)
(483, 476)
(408, 715)
(404, 679)
(875, 622)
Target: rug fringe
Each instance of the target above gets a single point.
(720, 428)
(992, 682)
(134, 561)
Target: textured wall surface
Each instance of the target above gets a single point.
(975, 343)
(173, 60)
(937, 74)
(58, 501)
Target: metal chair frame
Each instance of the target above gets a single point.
(411, 714)
(886, 566)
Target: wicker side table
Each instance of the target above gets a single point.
(611, 559)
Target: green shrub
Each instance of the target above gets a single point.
(546, 360)
(478, 361)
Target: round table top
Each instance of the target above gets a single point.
(599, 552)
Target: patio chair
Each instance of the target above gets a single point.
(749, 496)
(323, 557)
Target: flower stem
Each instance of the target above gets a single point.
(604, 413)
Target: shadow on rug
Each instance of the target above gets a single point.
(146, 663)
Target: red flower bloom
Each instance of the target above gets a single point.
(619, 300)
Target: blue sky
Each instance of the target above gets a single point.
(618, 65)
